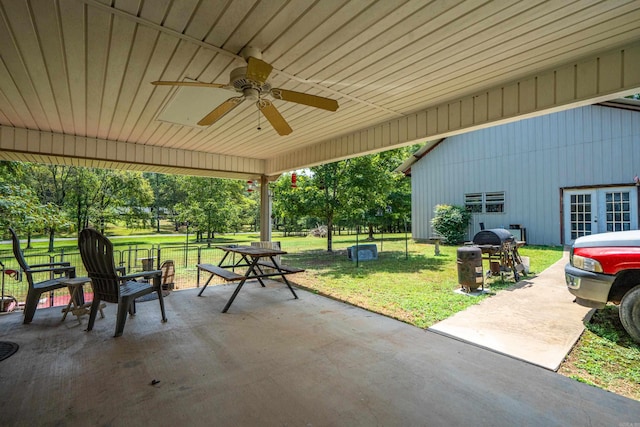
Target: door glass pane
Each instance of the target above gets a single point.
(618, 214)
(580, 206)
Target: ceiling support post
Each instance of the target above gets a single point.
(265, 210)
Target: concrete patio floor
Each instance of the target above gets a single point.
(273, 360)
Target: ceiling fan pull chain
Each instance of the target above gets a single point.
(258, 110)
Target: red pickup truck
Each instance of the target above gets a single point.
(606, 268)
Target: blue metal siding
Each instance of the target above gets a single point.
(530, 160)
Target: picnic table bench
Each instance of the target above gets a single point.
(256, 260)
(283, 269)
(228, 275)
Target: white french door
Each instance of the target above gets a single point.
(598, 210)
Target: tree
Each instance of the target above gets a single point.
(192, 215)
(369, 183)
(19, 208)
(290, 207)
(21, 203)
(214, 205)
(358, 190)
(102, 196)
(168, 191)
(136, 199)
(81, 198)
(52, 184)
(325, 194)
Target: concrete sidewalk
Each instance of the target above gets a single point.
(536, 321)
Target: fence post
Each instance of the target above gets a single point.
(186, 250)
(159, 263)
(121, 260)
(52, 259)
(198, 270)
(406, 240)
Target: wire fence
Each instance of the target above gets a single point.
(136, 259)
(185, 258)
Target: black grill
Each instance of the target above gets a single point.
(494, 236)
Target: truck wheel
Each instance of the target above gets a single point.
(630, 312)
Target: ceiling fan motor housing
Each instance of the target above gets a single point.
(250, 88)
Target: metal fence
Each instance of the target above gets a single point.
(133, 259)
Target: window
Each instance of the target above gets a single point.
(484, 202)
(473, 202)
(494, 202)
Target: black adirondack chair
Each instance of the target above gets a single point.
(63, 269)
(97, 256)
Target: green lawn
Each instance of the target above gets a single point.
(606, 356)
(416, 287)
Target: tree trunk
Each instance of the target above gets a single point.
(370, 232)
(79, 219)
(51, 235)
(28, 240)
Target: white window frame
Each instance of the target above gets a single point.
(494, 200)
(474, 200)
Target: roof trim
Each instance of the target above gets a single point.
(405, 167)
(622, 103)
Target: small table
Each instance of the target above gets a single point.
(257, 259)
(76, 305)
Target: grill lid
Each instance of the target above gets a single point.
(494, 236)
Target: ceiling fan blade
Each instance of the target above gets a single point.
(200, 84)
(275, 118)
(305, 98)
(258, 70)
(220, 111)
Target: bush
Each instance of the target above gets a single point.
(451, 222)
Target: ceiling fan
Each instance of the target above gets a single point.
(251, 82)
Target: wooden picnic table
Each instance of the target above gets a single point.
(260, 263)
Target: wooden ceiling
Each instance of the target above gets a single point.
(75, 75)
